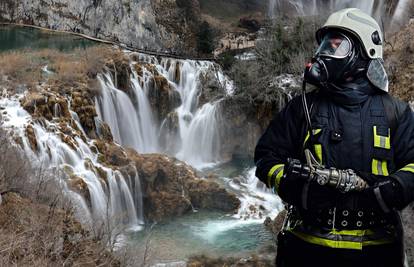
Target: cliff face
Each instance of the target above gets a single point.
(147, 24)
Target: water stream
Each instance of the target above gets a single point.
(132, 120)
(377, 8)
(133, 123)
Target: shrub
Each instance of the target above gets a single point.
(283, 48)
(205, 39)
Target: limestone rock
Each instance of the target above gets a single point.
(45, 104)
(78, 185)
(171, 188)
(209, 195)
(275, 226)
(82, 103)
(146, 24)
(211, 88)
(31, 135)
(163, 97)
(111, 153)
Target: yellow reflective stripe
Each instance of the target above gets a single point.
(376, 242)
(340, 243)
(384, 168)
(352, 232)
(382, 141)
(318, 151)
(277, 167)
(277, 180)
(408, 168)
(379, 167)
(315, 132)
(327, 242)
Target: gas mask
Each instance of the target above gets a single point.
(337, 59)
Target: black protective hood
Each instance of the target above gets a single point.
(350, 93)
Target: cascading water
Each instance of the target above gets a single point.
(377, 8)
(202, 135)
(271, 8)
(133, 124)
(257, 200)
(113, 198)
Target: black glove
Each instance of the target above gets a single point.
(297, 189)
(291, 184)
(385, 193)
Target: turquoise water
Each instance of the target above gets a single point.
(207, 233)
(17, 37)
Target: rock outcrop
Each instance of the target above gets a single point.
(172, 188)
(246, 116)
(162, 95)
(156, 25)
(211, 88)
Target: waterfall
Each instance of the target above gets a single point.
(128, 126)
(271, 8)
(202, 137)
(132, 122)
(113, 197)
(376, 8)
(400, 10)
(257, 200)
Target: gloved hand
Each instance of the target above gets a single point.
(297, 188)
(385, 193)
(291, 184)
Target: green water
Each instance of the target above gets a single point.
(17, 38)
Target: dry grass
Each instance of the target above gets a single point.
(18, 66)
(24, 68)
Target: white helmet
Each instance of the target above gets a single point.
(358, 23)
(368, 32)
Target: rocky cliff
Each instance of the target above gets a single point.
(166, 25)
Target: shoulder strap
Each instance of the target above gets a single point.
(315, 100)
(393, 110)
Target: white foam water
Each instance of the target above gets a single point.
(132, 122)
(116, 201)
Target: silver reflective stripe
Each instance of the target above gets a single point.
(379, 167)
(383, 141)
(380, 200)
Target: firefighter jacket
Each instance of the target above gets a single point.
(355, 126)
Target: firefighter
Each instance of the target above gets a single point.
(342, 156)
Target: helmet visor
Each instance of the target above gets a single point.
(335, 45)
